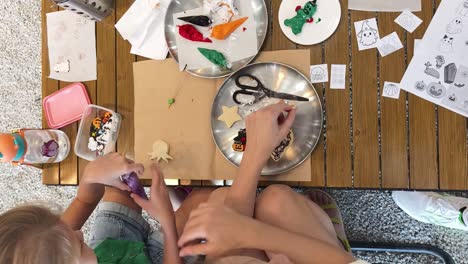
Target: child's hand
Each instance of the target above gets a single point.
(108, 169)
(266, 128)
(159, 205)
(214, 229)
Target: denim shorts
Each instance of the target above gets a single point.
(119, 222)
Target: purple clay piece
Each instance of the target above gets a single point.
(132, 180)
(50, 149)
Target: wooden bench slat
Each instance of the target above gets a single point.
(317, 157)
(338, 138)
(422, 126)
(394, 155)
(365, 117)
(50, 172)
(125, 99)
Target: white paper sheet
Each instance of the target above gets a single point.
(367, 33)
(71, 38)
(239, 45)
(319, 73)
(391, 90)
(439, 70)
(385, 5)
(338, 76)
(417, 42)
(409, 21)
(143, 26)
(389, 44)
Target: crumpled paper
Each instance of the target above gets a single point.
(143, 26)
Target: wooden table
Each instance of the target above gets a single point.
(368, 141)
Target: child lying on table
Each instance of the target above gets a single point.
(35, 234)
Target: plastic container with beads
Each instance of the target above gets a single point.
(98, 132)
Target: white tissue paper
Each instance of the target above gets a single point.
(143, 26)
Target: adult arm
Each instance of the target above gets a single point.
(209, 223)
(265, 129)
(103, 171)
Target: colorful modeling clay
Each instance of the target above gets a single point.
(279, 150)
(223, 31)
(50, 149)
(302, 16)
(202, 21)
(215, 57)
(132, 180)
(191, 33)
(100, 132)
(240, 141)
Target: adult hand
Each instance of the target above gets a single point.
(219, 227)
(108, 169)
(266, 128)
(159, 205)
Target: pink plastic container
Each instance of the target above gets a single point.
(66, 105)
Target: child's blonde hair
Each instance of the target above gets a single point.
(34, 234)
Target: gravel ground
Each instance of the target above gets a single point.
(368, 215)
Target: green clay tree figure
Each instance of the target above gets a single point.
(302, 16)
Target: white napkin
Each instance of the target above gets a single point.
(143, 26)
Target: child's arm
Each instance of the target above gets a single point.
(103, 171)
(266, 128)
(210, 221)
(159, 207)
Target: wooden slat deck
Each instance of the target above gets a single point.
(368, 141)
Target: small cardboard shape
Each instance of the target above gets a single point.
(186, 124)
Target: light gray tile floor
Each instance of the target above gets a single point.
(368, 215)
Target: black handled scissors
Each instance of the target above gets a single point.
(258, 91)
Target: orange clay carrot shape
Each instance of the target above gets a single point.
(223, 31)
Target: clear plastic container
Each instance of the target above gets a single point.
(46, 146)
(98, 132)
(34, 146)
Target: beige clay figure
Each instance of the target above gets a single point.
(160, 151)
(229, 116)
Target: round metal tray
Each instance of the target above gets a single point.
(261, 18)
(307, 125)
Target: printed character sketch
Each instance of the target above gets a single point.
(456, 26)
(407, 21)
(368, 35)
(318, 74)
(431, 71)
(436, 90)
(461, 79)
(420, 85)
(452, 97)
(391, 89)
(440, 61)
(389, 45)
(463, 9)
(446, 44)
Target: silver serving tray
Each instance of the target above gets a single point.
(176, 6)
(307, 125)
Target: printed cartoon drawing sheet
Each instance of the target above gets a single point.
(439, 70)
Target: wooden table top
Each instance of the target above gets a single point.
(368, 141)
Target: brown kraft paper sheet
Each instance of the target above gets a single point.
(186, 125)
